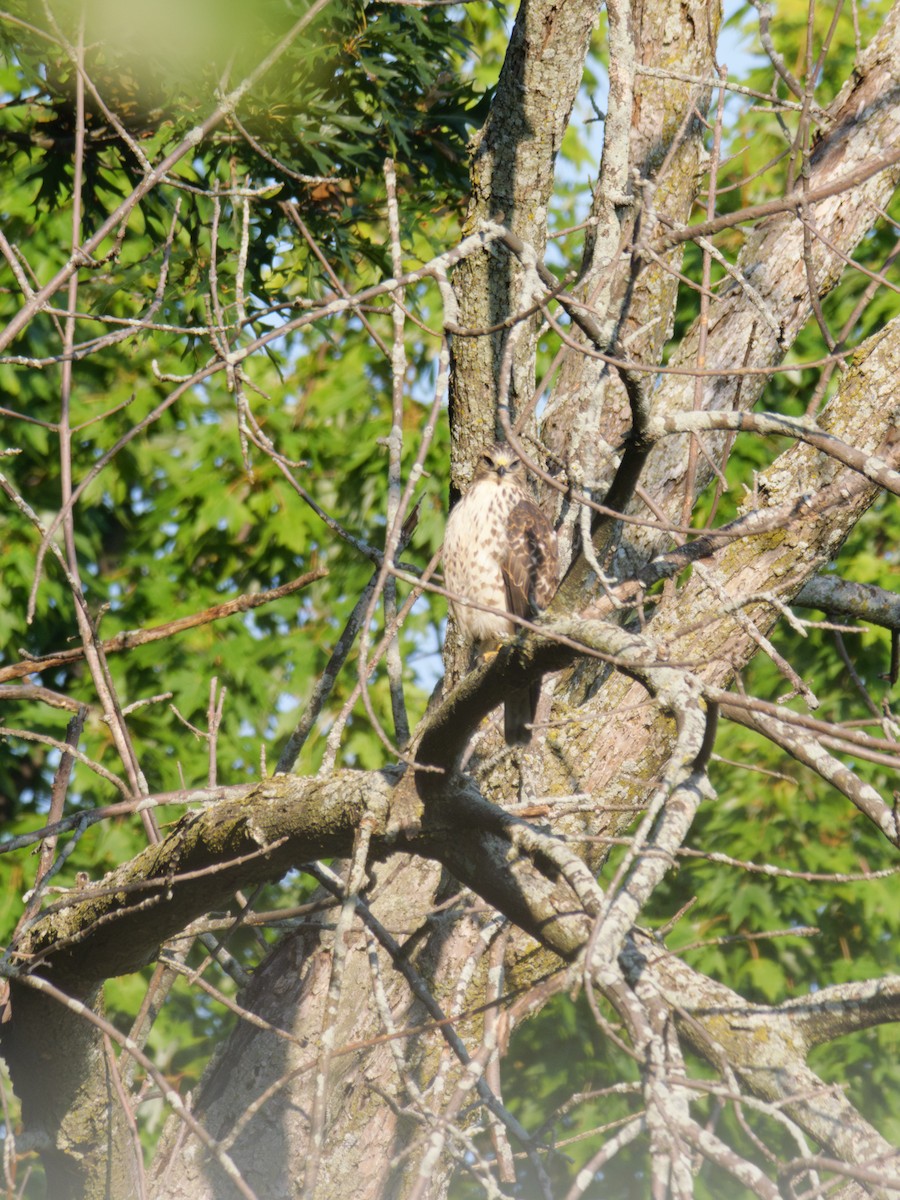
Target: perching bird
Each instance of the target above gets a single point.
(500, 551)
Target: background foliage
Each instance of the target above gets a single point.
(190, 512)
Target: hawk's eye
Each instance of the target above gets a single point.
(487, 460)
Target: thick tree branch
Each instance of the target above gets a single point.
(757, 324)
(844, 597)
(296, 819)
(512, 180)
(810, 751)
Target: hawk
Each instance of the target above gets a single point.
(500, 552)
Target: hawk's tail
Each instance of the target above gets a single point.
(519, 711)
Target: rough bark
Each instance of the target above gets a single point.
(289, 991)
(512, 180)
(662, 145)
(474, 841)
(615, 751)
(63, 1077)
(760, 313)
(288, 821)
(636, 737)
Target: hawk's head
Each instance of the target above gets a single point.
(498, 462)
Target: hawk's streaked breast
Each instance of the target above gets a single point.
(475, 546)
(499, 553)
